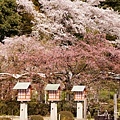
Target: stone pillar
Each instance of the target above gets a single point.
(53, 112)
(115, 106)
(23, 111)
(79, 111)
(85, 108)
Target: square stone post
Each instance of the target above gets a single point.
(53, 112)
(79, 110)
(23, 111)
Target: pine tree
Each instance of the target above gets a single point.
(115, 4)
(10, 20)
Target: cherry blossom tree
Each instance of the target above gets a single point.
(28, 55)
(68, 44)
(59, 19)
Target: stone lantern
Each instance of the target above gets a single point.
(80, 97)
(53, 91)
(24, 95)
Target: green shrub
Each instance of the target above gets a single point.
(36, 117)
(5, 118)
(9, 107)
(111, 37)
(65, 115)
(37, 108)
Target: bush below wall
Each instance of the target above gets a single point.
(36, 117)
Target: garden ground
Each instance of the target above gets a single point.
(17, 118)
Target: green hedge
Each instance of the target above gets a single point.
(13, 108)
(37, 108)
(66, 115)
(36, 117)
(9, 108)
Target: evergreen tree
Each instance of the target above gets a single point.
(115, 4)
(10, 20)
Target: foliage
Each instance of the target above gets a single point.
(118, 105)
(10, 20)
(37, 4)
(26, 19)
(77, 54)
(111, 37)
(13, 22)
(36, 108)
(3, 108)
(79, 63)
(67, 106)
(75, 57)
(66, 115)
(36, 117)
(66, 21)
(12, 108)
(9, 108)
(89, 116)
(115, 4)
(26, 26)
(103, 97)
(93, 108)
(60, 19)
